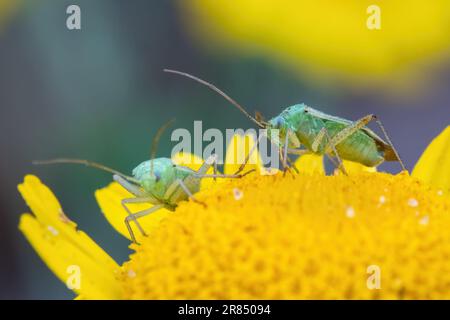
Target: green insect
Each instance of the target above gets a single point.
(320, 133)
(158, 181)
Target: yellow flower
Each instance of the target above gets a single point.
(367, 235)
(328, 37)
(62, 246)
(436, 156)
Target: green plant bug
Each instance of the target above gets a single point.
(300, 125)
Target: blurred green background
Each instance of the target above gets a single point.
(99, 93)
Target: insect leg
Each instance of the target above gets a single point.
(280, 152)
(340, 164)
(210, 161)
(133, 189)
(299, 152)
(291, 165)
(389, 141)
(336, 164)
(218, 175)
(213, 158)
(207, 164)
(286, 141)
(318, 139)
(323, 133)
(131, 215)
(215, 169)
(145, 212)
(351, 129)
(284, 162)
(284, 155)
(137, 215)
(141, 195)
(247, 158)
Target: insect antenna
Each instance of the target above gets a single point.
(223, 94)
(87, 163)
(155, 141)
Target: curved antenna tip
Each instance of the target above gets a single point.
(220, 92)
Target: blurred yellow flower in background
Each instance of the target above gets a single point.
(327, 37)
(269, 237)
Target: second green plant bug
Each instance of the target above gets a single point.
(320, 133)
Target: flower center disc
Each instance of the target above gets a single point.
(367, 235)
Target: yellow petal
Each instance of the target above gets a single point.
(109, 200)
(62, 247)
(354, 167)
(237, 150)
(433, 166)
(310, 163)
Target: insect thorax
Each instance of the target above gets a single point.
(291, 121)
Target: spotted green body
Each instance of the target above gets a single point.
(304, 123)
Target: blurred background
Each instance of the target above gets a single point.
(99, 93)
